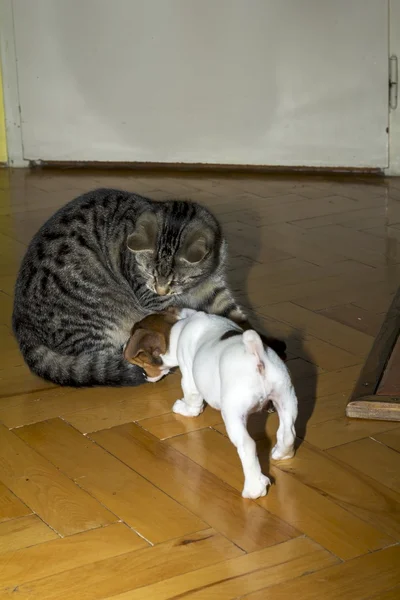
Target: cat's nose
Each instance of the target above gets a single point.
(162, 285)
(162, 290)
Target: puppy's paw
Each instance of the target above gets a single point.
(163, 373)
(257, 488)
(282, 453)
(181, 408)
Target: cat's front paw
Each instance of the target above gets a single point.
(257, 488)
(181, 408)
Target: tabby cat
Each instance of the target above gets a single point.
(102, 262)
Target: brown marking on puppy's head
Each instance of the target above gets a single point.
(149, 339)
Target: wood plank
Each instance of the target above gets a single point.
(356, 245)
(54, 497)
(321, 327)
(36, 405)
(145, 508)
(326, 408)
(378, 299)
(383, 231)
(195, 488)
(354, 491)
(392, 594)
(373, 459)
(11, 253)
(7, 284)
(356, 579)
(11, 507)
(266, 292)
(10, 355)
(341, 533)
(313, 388)
(47, 559)
(322, 354)
(243, 269)
(353, 316)
(24, 532)
(241, 575)
(277, 278)
(300, 368)
(290, 238)
(358, 293)
(97, 407)
(131, 570)
(310, 207)
(390, 438)
(345, 218)
(170, 424)
(342, 431)
(19, 380)
(117, 409)
(308, 347)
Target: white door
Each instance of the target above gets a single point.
(259, 82)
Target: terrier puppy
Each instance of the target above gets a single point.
(233, 372)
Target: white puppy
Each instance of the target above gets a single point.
(232, 372)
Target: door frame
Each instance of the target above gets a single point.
(394, 115)
(11, 90)
(12, 114)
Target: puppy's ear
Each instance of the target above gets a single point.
(144, 237)
(152, 343)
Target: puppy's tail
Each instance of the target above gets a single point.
(253, 345)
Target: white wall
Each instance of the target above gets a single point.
(295, 82)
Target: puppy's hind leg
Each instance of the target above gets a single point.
(285, 402)
(192, 403)
(255, 483)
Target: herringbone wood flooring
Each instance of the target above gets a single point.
(104, 493)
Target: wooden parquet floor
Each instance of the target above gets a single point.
(104, 493)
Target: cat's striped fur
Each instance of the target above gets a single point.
(91, 270)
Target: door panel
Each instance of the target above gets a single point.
(260, 82)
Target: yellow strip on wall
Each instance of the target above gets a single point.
(3, 139)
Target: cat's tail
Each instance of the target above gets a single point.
(103, 367)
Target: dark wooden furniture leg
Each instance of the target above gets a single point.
(377, 392)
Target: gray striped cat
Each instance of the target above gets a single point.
(102, 262)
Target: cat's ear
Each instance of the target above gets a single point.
(195, 249)
(145, 234)
(152, 343)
